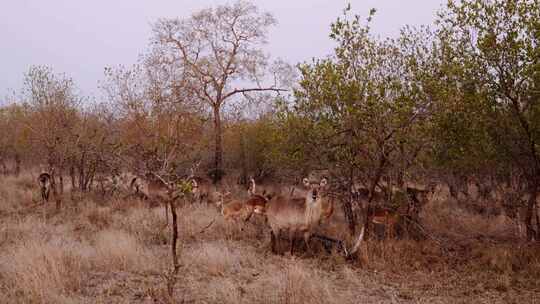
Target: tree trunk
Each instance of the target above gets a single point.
(174, 235)
(347, 204)
(82, 182)
(17, 164)
(378, 175)
(243, 177)
(218, 156)
(537, 221)
(3, 165)
(57, 196)
(532, 234)
(61, 179)
(72, 176)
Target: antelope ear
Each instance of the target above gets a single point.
(194, 183)
(324, 182)
(305, 181)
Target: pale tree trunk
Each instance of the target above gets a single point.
(218, 156)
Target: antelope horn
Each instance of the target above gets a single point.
(252, 190)
(356, 246)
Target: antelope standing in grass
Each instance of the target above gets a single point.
(234, 209)
(256, 204)
(201, 189)
(44, 180)
(387, 218)
(296, 215)
(271, 189)
(154, 188)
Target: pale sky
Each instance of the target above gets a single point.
(80, 38)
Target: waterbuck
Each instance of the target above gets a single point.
(294, 215)
(44, 180)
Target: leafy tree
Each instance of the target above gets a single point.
(491, 48)
(360, 110)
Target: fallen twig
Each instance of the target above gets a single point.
(208, 226)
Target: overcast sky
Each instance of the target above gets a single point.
(80, 38)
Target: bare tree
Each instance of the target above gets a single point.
(218, 50)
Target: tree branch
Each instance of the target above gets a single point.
(236, 91)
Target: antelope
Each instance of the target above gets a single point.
(256, 204)
(136, 185)
(387, 218)
(201, 189)
(270, 190)
(296, 215)
(154, 188)
(125, 182)
(231, 210)
(327, 209)
(44, 180)
(415, 200)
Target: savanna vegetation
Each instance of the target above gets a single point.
(428, 144)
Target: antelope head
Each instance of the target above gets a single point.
(315, 190)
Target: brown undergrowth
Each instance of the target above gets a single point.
(114, 250)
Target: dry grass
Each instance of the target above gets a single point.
(114, 250)
(444, 217)
(122, 251)
(38, 271)
(17, 193)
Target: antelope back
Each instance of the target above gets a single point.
(157, 189)
(383, 216)
(232, 209)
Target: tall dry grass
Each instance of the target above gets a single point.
(113, 250)
(17, 193)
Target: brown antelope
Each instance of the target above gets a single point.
(44, 180)
(124, 181)
(155, 189)
(256, 204)
(150, 187)
(231, 210)
(296, 215)
(201, 189)
(270, 190)
(327, 209)
(387, 218)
